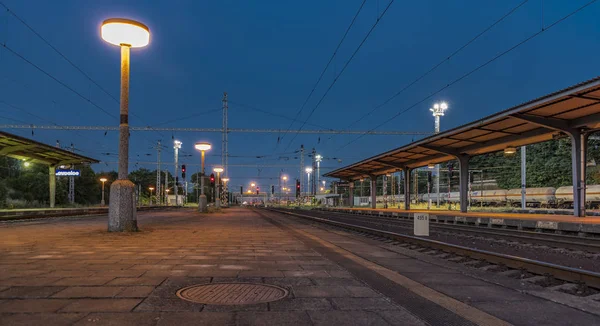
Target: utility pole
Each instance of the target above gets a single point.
(72, 183)
(166, 187)
(158, 189)
(224, 150)
(523, 176)
(301, 176)
(313, 190)
(176, 147)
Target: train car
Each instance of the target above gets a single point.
(489, 197)
(534, 197)
(564, 196)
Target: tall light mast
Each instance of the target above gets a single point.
(438, 111)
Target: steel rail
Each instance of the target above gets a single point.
(564, 273)
(553, 240)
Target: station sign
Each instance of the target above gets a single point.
(67, 173)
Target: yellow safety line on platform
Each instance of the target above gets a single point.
(468, 312)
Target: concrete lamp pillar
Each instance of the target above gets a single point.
(126, 34)
(52, 184)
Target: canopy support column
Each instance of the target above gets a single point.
(463, 160)
(52, 184)
(407, 188)
(351, 193)
(373, 179)
(579, 160)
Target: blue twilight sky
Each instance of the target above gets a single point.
(268, 55)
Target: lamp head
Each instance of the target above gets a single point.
(308, 169)
(218, 169)
(225, 179)
(177, 144)
(151, 188)
(103, 179)
(202, 146)
(127, 32)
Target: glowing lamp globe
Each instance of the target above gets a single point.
(125, 32)
(202, 146)
(218, 169)
(103, 179)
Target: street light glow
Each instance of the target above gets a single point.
(150, 188)
(218, 169)
(26, 164)
(103, 179)
(253, 184)
(177, 144)
(308, 169)
(202, 146)
(121, 31)
(225, 180)
(285, 177)
(431, 165)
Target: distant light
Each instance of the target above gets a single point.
(121, 31)
(103, 179)
(444, 106)
(202, 146)
(27, 164)
(436, 106)
(218, 169)
(177, 144)
(225, 179)
(167, 190)
(431, 165)
(253, 184)
(308, 169)
(284, 177)
(151, 188)
(318, 158)
(510, 150)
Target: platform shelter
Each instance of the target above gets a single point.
(29, 150)
(573, 112)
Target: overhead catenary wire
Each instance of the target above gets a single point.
(336, 78)
(22, 21)
(437, 65)
(324, 70)
(529, 38)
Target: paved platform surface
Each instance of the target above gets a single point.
(72, 272)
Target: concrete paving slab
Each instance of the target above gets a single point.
(273, 318)
(54, 319)
(125, 319)
(196, 318)
(89, 292)
(101, 305)
(328, 318)
(30, 292)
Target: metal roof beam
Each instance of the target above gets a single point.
(507, 139)
(392, 165)
(586, 120)
(10, 149)
(447, 151)
(551, 123)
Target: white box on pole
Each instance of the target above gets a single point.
(421, 221)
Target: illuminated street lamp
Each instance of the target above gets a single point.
(218, 170)
(308, 172)
(202, 147)
(253, 185)
(26, 164)
(126, 34)
(151, 188)
(176, 147)
(438, 111)
(225, 191)
(103, 180)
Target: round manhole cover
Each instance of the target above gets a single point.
(232, 293)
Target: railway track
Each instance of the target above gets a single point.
(587, 244)
(577, 276)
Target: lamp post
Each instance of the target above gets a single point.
(218, 170)
(176, 147)
(126, 34)
(225, 192)
(318, 159)
(103, 180)
(437, 112)
(202, 147)
(284, 178)
(308, 172)
(151, 188)
(167, 195)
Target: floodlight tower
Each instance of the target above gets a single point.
(438, 111)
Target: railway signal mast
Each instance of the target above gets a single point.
(438, 110)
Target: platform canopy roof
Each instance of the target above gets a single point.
(32, 151)
(566, 112)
